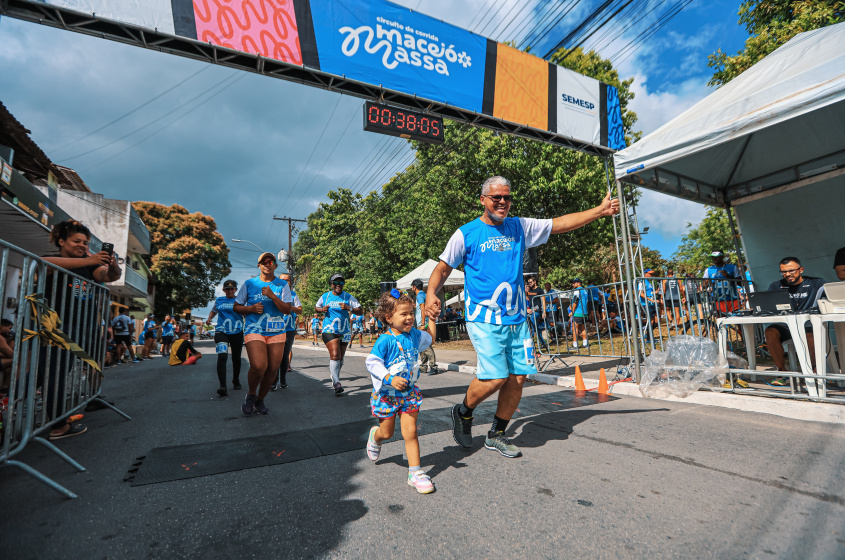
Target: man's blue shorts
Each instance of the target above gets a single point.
(502, 350)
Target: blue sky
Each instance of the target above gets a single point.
(242, 147)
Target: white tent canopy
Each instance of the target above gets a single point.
(779, 122)
(455, 300)
(423, 272)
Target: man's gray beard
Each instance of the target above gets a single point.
(494, 218)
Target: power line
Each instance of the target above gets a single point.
(141, 106)
(314, 149)
(149, 123)
(170, 123)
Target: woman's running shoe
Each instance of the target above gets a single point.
(260, 408)
(338, 388)
(373, 448)
(421, 481)
(248, 407)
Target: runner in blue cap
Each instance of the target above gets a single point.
(337, 332)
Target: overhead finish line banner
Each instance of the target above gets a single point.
(386, 45)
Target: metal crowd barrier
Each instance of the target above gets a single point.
(602, 317)
(48, 384)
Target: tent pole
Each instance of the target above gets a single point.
(616, 246)
(633, 325)
(738, 247)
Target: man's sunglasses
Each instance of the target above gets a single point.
(267, 262)
(338, 283)
(228, 288)
(500, 197)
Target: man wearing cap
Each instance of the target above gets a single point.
(725, 294)
(491, 248)
(428, 361)
(229, 333)
(580, 313)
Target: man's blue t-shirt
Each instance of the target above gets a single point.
(271, 322)
(290, 319)
(492, 259)
(120, 325)
(228, 322)
(337, 319)
(582, 299)
(401, 356)
(418, 318)
(723, 291)
(646, 286)
(167, 329)
(358, 322)
(315, 322)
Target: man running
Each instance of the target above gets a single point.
(428, 361)
(123, 327)
(491, 249)
(290, 335)
(315, 328)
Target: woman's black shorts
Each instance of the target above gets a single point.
(237, 338)
(328, 337)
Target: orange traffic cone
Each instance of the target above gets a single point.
(603, 389)
(579, 381)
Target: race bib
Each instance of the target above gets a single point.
(528, 344)
(347, 338)
(222, 348)
(275, 324)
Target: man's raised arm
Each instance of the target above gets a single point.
(608, 207)
(438, 277)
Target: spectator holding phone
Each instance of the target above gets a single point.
(71, 238)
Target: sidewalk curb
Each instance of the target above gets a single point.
(796, 410)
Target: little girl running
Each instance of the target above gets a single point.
(394, 365)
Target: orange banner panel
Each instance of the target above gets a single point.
(522, 85)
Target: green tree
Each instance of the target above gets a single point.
(712, 234)
(187, 256)
(770, 24)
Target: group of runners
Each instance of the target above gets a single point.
(262, 316)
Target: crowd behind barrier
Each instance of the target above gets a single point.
(47, 383)
(664, 307)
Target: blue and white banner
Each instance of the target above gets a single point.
(381, 43)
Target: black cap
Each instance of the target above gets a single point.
(336, 276)
(230, 284)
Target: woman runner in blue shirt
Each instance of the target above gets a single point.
(229, 333)
(263, 301)
(337, 304)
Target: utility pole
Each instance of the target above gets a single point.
(291, 227)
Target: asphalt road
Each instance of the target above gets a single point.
(629, 478)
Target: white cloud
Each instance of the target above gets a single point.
(668, 215)
(654, 109)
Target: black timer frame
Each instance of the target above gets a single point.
(403, 123)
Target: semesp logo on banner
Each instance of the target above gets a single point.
(403, 44)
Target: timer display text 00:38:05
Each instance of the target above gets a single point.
(403, 123)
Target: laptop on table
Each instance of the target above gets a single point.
(775, 302)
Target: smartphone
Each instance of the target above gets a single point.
(108, 248)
